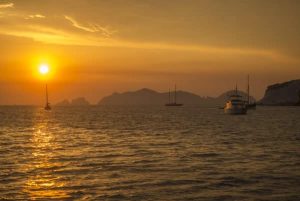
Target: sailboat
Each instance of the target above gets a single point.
(47, 106)
(175, 99)
(249, 105)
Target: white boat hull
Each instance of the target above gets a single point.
(235, 110)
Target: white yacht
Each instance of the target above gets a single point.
(235, 104)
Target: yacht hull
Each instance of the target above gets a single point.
(174, 104)
(235, 110)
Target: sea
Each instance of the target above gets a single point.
(149, 153)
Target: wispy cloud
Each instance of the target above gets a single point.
(7, 5)
(91, 27)
(35, 16)
(103, 37)
(60, 37)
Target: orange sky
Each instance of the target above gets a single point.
(97, 47)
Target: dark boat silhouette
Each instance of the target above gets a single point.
(174, 103)
(47, 106)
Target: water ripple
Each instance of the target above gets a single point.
(149, 153)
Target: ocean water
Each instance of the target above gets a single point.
(149, 153)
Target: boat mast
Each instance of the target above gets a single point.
(46, 94)
(248, 91)
(175, 94)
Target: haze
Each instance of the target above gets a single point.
(96, 47)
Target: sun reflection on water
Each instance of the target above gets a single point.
(42, 182)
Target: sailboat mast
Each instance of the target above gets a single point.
(47, 101)
(248, 91)
(175, 94)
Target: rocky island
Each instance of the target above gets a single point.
(74, 102)
(282, 94)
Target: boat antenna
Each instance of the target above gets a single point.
(236, 89)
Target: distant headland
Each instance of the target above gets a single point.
(282, 94)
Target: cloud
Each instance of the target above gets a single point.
(60, 37)
(93, 28)
(7, 5)
(35, 16)
(77, 25)
(18, 26)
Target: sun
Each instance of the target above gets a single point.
(44, 69)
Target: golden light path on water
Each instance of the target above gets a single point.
(44, 184)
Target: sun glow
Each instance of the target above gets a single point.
(44, 69)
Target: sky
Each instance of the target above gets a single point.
(97, 47)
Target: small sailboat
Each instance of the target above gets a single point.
(47, 106)
(174, 103)
(235, 104)
(249, 105)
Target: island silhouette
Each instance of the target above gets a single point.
(81, 101)
(279, 94)
(282, 94)
(147, 96)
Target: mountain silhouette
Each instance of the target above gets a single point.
(147, 96)
(286, 93)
